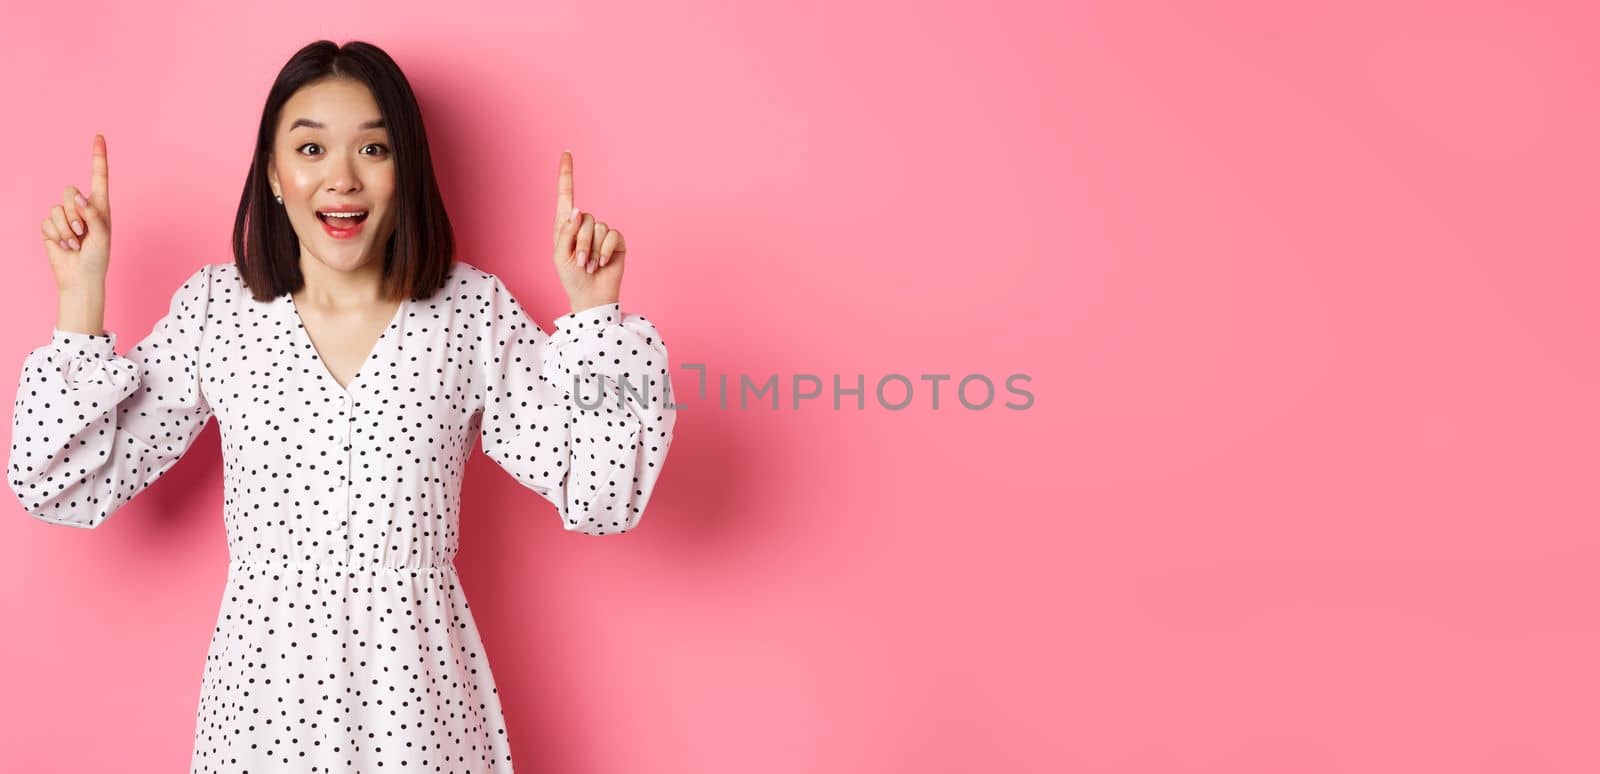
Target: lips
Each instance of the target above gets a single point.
(342, 224)
(342, 219)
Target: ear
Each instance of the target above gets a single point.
(272, 176)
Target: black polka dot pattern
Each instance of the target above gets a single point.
(344, 641)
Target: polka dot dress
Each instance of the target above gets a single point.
(344, 641)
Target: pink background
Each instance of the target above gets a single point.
(1307, 299)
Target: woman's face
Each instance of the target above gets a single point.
(331, 155)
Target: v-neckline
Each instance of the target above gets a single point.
(322, 365)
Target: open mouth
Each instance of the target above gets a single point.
(342, 225)
(342, 219)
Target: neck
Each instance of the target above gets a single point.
(333, 288)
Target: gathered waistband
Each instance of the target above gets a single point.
(308, 565)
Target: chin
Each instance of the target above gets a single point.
(349, 253)
(345, 257)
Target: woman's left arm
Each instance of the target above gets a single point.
(582, 417)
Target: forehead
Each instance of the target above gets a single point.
(340, 104)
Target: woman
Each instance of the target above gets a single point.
(349, 362)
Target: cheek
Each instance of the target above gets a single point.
(382, 190)
(382, 187)
(296, 182)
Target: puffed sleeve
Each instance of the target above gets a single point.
(596, 454)
(90, 428)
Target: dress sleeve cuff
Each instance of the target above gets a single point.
(574, 323)
(578, 336)
(87, 345)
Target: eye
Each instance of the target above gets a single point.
(302, 148)
(381, 149)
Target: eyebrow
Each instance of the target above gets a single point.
(299, 122)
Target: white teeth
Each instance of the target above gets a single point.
(342, 214)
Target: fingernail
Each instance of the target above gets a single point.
(581, 254)
(62, 243)
(591, 266)
(82, 202)
(73, 243)
(77, 227)
(574, 215)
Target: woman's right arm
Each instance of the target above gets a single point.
(90, 428)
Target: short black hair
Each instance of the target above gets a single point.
(417, 257)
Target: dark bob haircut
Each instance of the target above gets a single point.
(417, 257)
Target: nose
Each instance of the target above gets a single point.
(342, 175)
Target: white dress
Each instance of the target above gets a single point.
(343, 640)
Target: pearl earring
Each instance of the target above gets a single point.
(279, 198)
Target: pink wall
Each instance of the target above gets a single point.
(1307, 299)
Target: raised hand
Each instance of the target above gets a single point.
(588, 253)
(77, 232)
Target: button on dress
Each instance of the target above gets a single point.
(344, 641)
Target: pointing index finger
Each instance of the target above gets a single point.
(564, 189)
(99, 185)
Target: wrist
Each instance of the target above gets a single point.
(81, 310)
(86, 292)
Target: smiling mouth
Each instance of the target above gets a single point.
(342, 219)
